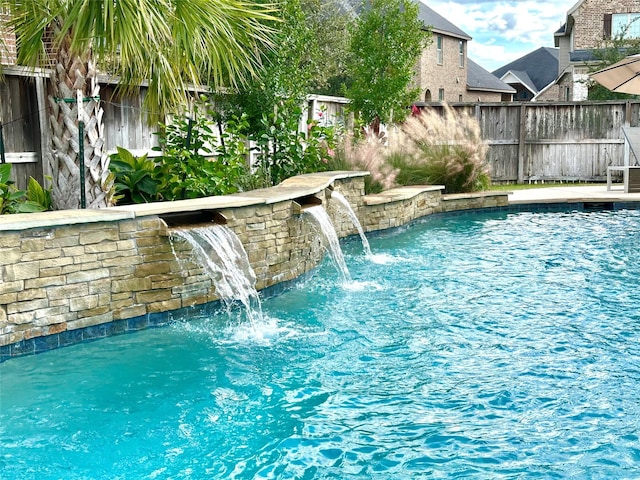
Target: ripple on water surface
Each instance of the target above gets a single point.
(479, 346)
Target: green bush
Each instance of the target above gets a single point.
(284, 151)
(34, 199)
(196, 162)
(186, 169)
(134, 179)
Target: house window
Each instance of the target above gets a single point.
(461, 53)
(567, 94)
(439, 49)
(441, 95)
(459, 98)
(427, 96)
(625, 25)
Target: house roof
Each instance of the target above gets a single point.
(480, 79)
(438, 23)
(540, 66)
(515, 76)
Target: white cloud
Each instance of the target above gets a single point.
(491, 56)
(503, 31)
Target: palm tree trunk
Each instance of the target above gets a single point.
(73, 73)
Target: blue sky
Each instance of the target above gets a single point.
(504, 30)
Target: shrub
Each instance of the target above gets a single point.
(133, 177)
(185, 171)
(34, 199)
(284, 151)
(367, 153)
(425, 149)
(444, 149)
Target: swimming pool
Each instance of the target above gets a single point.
(497, 345)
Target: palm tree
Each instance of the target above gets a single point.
(166, 44)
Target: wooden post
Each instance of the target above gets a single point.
(43, 122)
(521, 145)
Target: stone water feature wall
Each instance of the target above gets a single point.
(71, 276)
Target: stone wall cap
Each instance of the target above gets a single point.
(399, 193)
(190, 205)
(24, 221)
(462, 196)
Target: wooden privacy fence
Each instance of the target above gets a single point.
(527, 141)
(554, 141)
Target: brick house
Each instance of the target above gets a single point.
(7, 42)
(445, 74)
(589, 24)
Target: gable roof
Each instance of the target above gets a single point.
(540, 66)
(480, 79)
(514, 76)
(438, 23)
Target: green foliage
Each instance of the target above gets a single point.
(12, 200)
(283, 151)
(386, 42)
(271, 105)
(38, 195)
(310, 49)
(450, 165)
(170, 44)
(134, 179)
(185, 171)
(330, 27)
(286, 73)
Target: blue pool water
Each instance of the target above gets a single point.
(477, 346)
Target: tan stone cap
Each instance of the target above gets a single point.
(400, 193)
(462, 196)
(290, 189)
(24, 221)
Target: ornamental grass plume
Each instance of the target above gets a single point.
(370, 154)
(440, 149)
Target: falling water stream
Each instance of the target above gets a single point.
(354, 219)
(221, 254)
(329, 232)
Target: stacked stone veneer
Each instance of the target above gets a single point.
(123, 270)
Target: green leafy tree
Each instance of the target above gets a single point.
(330, 24)
(286, 73)
(272, 103)
(615, 49)
(386, 42)
(169, 44)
